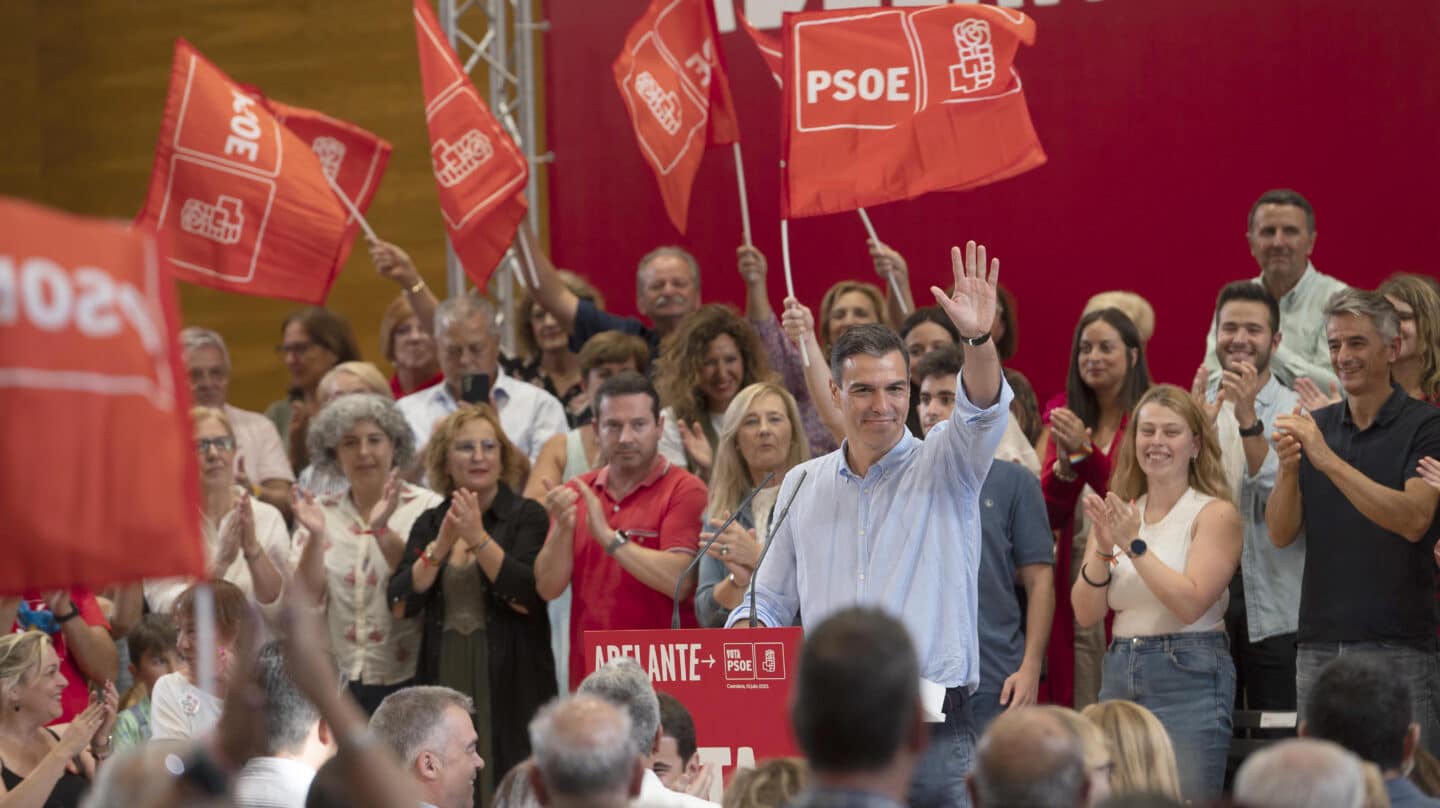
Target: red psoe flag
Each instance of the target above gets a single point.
(889, 104)
(479, 173)
(242, 203)
(97, 468)
(350, 155)
(768, 46)
(672, 79)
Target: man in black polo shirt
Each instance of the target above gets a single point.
(667, 289)
(1348, 476)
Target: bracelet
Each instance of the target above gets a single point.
(1087, 580)
(481, 546)
(74, 613)
(109, 747)
(1111, 557)
(415, 290)
(1063, 476)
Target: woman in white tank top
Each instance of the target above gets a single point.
(1162, 563)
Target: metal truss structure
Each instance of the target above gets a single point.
(501, 35)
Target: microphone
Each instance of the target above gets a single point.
(769, 537)
(675, 611)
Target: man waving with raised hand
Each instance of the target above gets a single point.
(891, 521)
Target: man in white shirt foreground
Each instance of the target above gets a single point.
(297, 742)
(430, 731)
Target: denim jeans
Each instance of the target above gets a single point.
(1421, 668)
(984, 708)
(939, 780)
(1188, 682)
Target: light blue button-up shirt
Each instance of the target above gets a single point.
(904, 538)
(1305, 351)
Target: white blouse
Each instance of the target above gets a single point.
(274, 541)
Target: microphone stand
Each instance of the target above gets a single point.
(755, 574)
(675, 611)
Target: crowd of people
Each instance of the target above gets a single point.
(1092, 586)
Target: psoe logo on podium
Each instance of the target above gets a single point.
(739, 661)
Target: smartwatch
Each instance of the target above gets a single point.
(1138, 548)
(621, 537)
(1255, 429)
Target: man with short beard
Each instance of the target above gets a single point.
(1281, 234)
(1265, 593)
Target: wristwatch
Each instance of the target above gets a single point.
(1255, 429)
(621, 537)
(976, 342)
(1138, 548)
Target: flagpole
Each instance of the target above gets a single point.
(894, 284)
(350, 206)
(790, 279)
(744, 202)
(533, 277)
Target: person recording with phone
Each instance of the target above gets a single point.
(468, 337)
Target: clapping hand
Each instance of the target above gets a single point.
(1100, 528)
(308, 512)
(972, 305)
(697, 446)
(469, 524)
(1310, 396)
(1201, 380)
(560, 503)
(389, 500)
(1068, 431)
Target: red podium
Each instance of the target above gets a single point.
(735, 682)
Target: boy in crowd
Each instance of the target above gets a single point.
(152, 651)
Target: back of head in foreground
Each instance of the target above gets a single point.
(856, 703)
(1143, 754)
(583, 754)
(625, 684)
(1029, 757)
(1358, 702)
(1300, 772)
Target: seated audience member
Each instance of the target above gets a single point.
(468, 568)
(1281, 233)
(1162, 566)
(584, 756)
(296, 743)
(935, 406)
(79, 636)
(430, 731)
(623, 683)
(1028, 757)
(39, 766)
(924, 330)
(1137, 308)
(772, 783)
(312, 341)
(1077, 447)
(1015, 544)
(783, 352)
(1094, 748)
(1144, 758)
(545, 359)
(1348, 479)
(676, 761)
(349, 544)
(1301, 773)
(260, 457)
(246, 542)
(565, 457)
(709, 358)
(407, 327)
(624, 533)
(469, 341)
(667, 290)
(1264, 605)
(1358, 702)
(1417, 364)
(858, 669)
(760, 434)
(179, 708)
(152, 652)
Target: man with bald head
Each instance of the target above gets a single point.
(1028, 757)
(582, 754)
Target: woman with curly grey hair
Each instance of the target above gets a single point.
(353, 541)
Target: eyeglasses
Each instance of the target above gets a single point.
(204, 445)
(468, 447)
(297, 348)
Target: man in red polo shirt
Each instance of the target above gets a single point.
(640, 526)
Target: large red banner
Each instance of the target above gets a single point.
(735, 683)
(1162, 122)
(242, 202)
(97, 469)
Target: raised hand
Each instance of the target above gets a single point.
(393, 264)
(241, 478)
(887, 261)
(1310, 396)
(797, 320)
(82, 729)
(972, 306)
(1302, 426)
(109, 704)
(389, 500)
(594, 515)
(308, 512)
(751, 263)
(560, 503)
(1211, 409)
(697, 446)
(1241, 386)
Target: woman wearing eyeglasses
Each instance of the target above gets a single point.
(312, 341)
(245, 539)
(469, 566)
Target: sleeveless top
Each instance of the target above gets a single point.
(1138, 613)
(68, 791)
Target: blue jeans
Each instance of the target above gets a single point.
(1421, 668)
(984, 708)
(1188, 682)
(939, 780)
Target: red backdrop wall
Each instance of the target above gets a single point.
(1162, 121)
